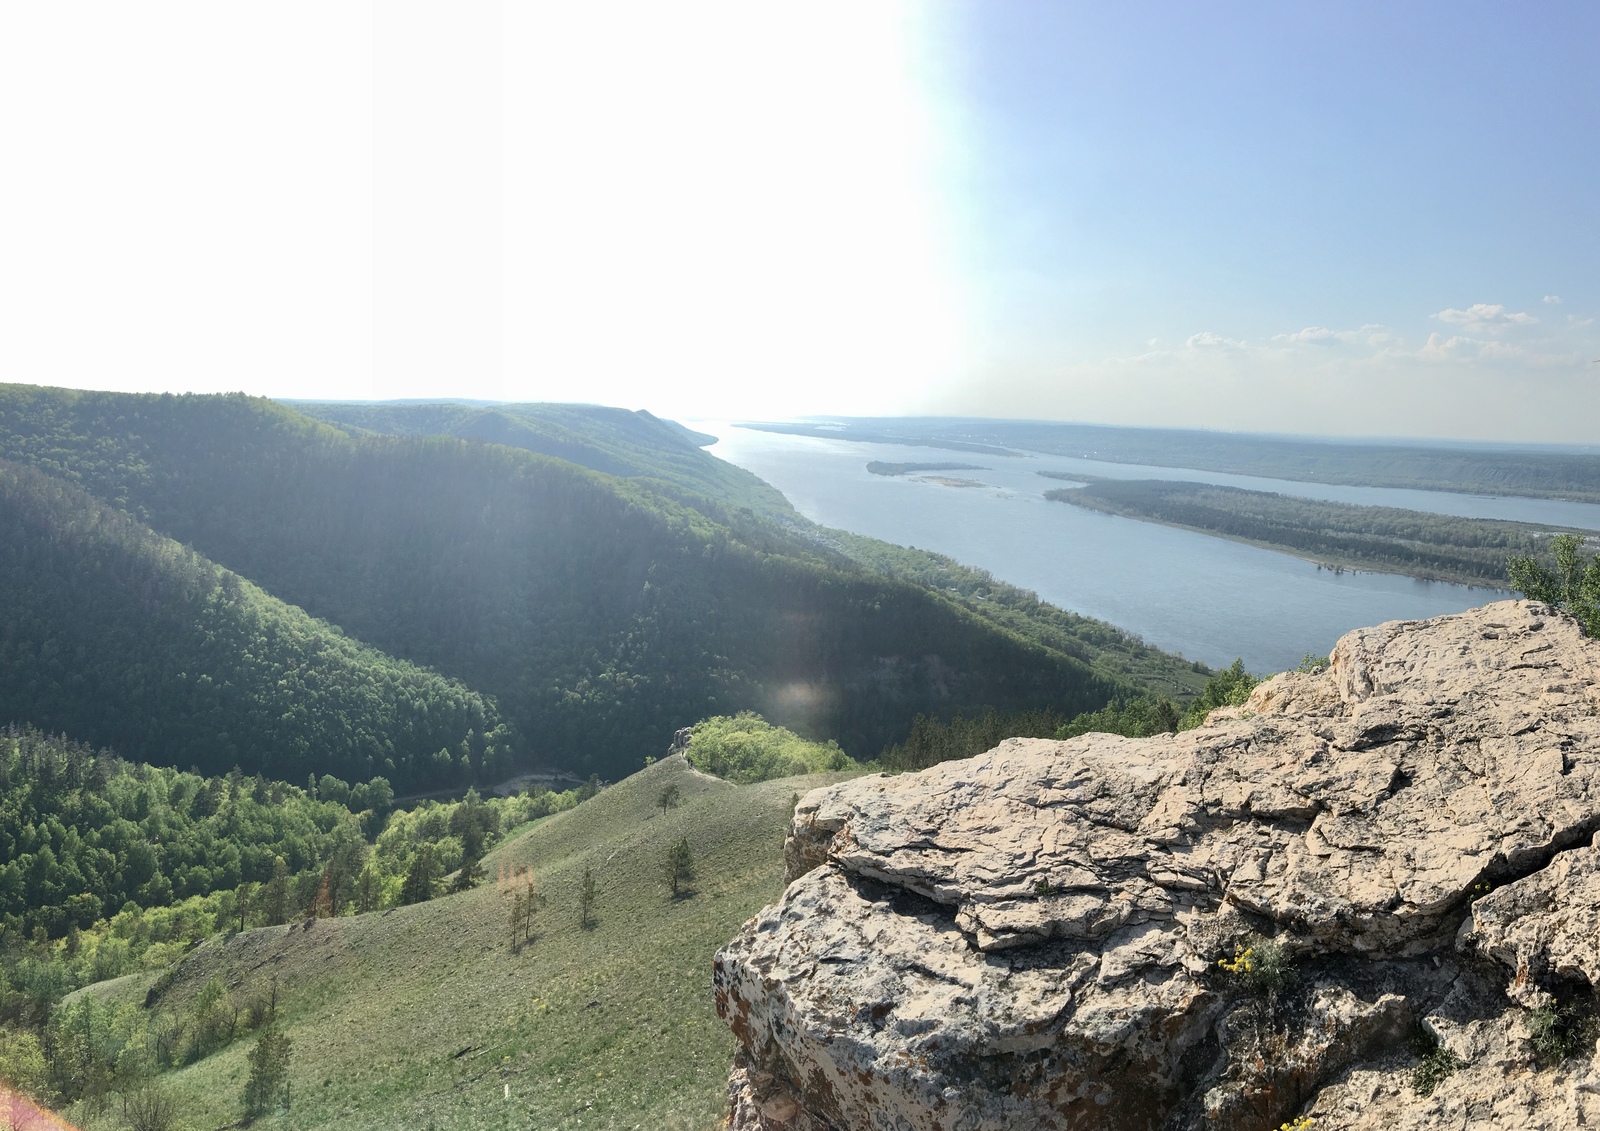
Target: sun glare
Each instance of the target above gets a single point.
(722, 207)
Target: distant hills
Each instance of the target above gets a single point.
(1535, 471)
(565, 615)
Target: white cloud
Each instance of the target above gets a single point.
(1485, 316)
(1312, 336)
(1207, 340)
(1551, 300)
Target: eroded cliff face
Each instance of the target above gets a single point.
(1032, 938)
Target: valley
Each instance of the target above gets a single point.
(212, 600)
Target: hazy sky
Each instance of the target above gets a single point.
(1354, 218)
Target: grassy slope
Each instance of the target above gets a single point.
(610, 1027)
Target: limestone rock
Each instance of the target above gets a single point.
(1031, 938)
(1546, 925)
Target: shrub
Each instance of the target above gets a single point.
(1228, 688)
(1261, 966)
(1571, 582)
(745, 748)
(1558, 1030)
(1437, 1064)
(149, 1109)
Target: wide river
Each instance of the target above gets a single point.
(1208, 598)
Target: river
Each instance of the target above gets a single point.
(1207, 598)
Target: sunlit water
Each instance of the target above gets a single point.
(1205, 597)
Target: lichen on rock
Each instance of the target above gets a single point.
(1031, 938)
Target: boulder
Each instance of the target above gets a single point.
(1036, 937)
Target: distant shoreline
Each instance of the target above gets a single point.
(1336, 536)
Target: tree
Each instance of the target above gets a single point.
(242, 897)
(470, 872)
(275, 896)
(268, 1085)
(586, 897)
(526, 900)
(679, 867)
(670, 795)
(422, 878)
(369, 890)
(1573, 584)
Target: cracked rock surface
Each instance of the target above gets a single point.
(1030, 938)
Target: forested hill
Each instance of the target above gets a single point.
(599, 612)
(668, 457)
(111, 631)
(634, 445)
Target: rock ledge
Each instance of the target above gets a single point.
(1032, 938)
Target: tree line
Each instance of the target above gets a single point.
(933, 740)
(1438, 547)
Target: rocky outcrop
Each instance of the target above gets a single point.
(1270, 917)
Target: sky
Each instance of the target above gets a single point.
(1360, 219)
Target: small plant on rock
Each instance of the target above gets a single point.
(1436, 1064)
(1261, 966)
(1558, 1031)
(1298, 1123)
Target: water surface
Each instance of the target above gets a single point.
(1205, 597)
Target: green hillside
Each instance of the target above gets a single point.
(122, 637)
(639, 445)
(633, 445)
(601, 613)
(425, 1016)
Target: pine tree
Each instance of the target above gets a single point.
(422, 877)
(268, 1085)
(525, 902)
(670, 795)
(679, 866)
(242, 898)
(275, 896)
(369, 890)
(470, 872)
